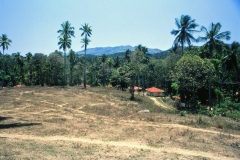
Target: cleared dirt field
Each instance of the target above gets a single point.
(101, 123)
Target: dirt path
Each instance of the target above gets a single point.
(165, 125)
(162, 104)
(117, 144)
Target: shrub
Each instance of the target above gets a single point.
(183, 113)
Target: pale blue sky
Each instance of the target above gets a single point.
(32, 24)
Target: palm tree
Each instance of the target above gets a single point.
(4, 43)
(66, 30)
(186, 27)
(87, 32)
(230, 65)
(85, 42)
(65, 42)
(230, 61)
(214, 42)
(214, 38)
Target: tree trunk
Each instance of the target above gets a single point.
(182, 47)
(70, 81)
(103, 80)
(4, 69)
(209, 90)
(143, 83)
(84, 77)
(64, 78)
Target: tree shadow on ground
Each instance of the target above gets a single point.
(15, 125)
(4, 118)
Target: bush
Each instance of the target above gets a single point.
(183, 113)
(234, 115)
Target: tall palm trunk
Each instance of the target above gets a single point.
(209, 81)
(64, 79)
(209, 90)
(182, 47)
(84, 77)
(4, 68)
(70, 83)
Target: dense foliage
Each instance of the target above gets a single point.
(201, 76)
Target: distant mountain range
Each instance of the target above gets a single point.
(111, 50)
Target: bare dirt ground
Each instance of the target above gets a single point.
(158, 101)
(101, 123)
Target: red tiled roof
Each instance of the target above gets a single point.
(154, 90)
(136, 88)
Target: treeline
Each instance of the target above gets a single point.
(205, 75)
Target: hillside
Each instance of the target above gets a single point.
(111, 50)
(102, 123)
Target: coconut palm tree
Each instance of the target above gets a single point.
(66, 32)
(230, 61)
(64, 43)
(87, 32)
(4, 43)
(213, 38)
(230, 67)
(85, 42)
(186, 27)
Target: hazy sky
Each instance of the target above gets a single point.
(32, 24)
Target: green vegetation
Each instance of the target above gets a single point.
(87, 32)
(65, 42)
(204, 79)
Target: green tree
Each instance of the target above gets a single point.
(127, 56)
(103, 59)
(73, 62)
(116, 62)
(193, 72)
(39, 62)
(4, 43)
(213, 38)
(186, 27)
(55, 62)
(64, 43)
(20, 64)
(230, 60)
(28, 69)
(66, 32)
(93, 73)
(230, 68)
(87, 32)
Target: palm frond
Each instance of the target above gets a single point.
(223, 35)
(177, 23)
(175, 32)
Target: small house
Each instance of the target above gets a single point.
(136, 88)
(154, 92)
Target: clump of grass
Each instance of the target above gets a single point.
(200, 121)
